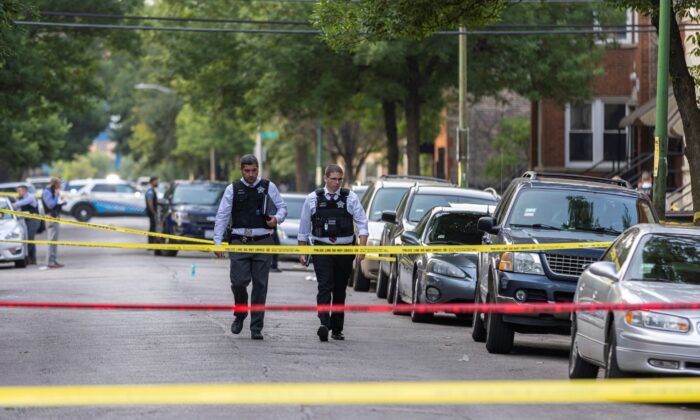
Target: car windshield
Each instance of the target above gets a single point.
(667, 258)
(294, 206)
(455, 228)
(579, 210)
(385, 199)
(5, 206)
(207, 194)
(423, 203)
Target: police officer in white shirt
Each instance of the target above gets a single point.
(249, 204)
(327, 217)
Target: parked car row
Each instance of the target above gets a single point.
(647, 262)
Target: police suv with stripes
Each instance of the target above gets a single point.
(101, 197)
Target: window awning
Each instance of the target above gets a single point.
(645, 116)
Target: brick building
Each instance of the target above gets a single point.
(603, 135)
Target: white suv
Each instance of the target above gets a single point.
(99, 197)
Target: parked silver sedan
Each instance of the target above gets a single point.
(440, 278)
(647, 263)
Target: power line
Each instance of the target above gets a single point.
(175, 19)
(487, 32)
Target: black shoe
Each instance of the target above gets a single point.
(237, 325)
(322, 333)
(338, 336)
(256, 335)
(275, 270)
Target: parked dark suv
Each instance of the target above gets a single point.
(188, 209)
(541, 208)
(415, 203)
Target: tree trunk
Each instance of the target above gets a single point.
(413, 116)
(392, 136)
(684, 91)
(349, 132)
(301, 149)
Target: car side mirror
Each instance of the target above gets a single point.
(488, 224)
(410, 238)
(389, 216)
(606, 269)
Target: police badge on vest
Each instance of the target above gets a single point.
(332, 218)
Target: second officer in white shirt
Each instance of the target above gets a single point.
(328, 217)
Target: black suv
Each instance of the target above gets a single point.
(189, 209)
(415, 203)
(541, 208)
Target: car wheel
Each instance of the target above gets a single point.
(578, 367)
(415, 315)
(360, 283)
(478, 329)
(499, 335)
(169, 252)
(21, 263)
(382, 282)
(612, 370)
(398, 300)
(83, 212)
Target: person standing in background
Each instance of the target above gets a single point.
(52, 201)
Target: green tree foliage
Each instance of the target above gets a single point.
(511, 144)
(346, 23)
(46, 76)
(89, 165)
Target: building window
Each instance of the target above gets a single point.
(593, 136)
(581, 133)
(617, 26)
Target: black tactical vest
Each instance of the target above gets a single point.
(248, 209)
(332, 218)
(28, 208)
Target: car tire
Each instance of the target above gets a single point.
(612, 369)
(168, 252)
(21, 263)
(578, 367)
(418, 316)
(83, 212)
(398, 301)
(360, 283)
(382, 282)
(499, 334)
(478, 328)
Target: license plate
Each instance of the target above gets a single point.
(208, 234)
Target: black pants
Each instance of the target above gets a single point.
(332, 274)
(244, 269)
(151, 226)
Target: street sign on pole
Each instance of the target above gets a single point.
(265, 135)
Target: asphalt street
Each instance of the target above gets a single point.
(71, 347)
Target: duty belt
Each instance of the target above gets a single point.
(246, 239)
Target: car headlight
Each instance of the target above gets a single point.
(180, 217)
(15, 233)
(445, 269)
(281, 234)
(521, 262)
(657, 321)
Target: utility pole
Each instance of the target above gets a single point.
(319, 153)
(661, 130)
(212, 164)
(462, 140)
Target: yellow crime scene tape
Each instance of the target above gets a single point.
(676, 390)
(105, 227)
(290, 249)
(325, 249)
